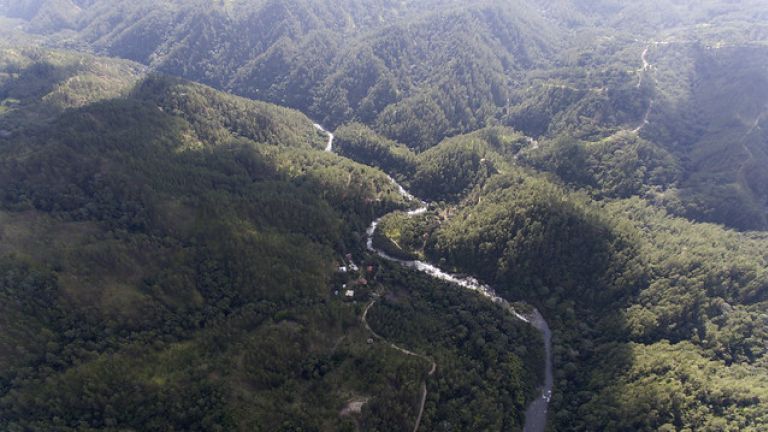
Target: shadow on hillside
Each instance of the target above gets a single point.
(586, 311)
(536, 243)
(713, 127)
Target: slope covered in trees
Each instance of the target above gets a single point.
(628, 290)
(378, 62)
(418, 72)
(711, 109)
(172, 251)
(168, 262)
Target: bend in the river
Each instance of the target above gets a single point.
(536, 413)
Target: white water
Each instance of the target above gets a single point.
(536, 413)
(405, 194)
(466, 282)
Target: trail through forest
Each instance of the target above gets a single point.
(433, 365)
(647, 67)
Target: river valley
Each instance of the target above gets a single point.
(536, 413)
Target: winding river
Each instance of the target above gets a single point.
(536, 413)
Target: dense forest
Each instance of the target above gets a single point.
(418, 72)
(168, 263)
(184, 256)
(624, 301)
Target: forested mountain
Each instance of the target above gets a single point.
(711, 115)
(378, 62)
(630, 288)
(417, 72)
(168, 262)
(173, 257)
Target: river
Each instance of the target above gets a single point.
(536, 413)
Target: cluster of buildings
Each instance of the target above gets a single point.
(355, 277)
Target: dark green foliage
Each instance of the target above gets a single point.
(186, 214)
(215, 116)
(447, 171)
(417, 72)
(710, 117)
(36, 84)
(423, 71)
(167, 264)
(609, 101)
(106, 394)
(626, 165)
(619, 282)
(358, 142)
(532, 236)
(567, 158)
(474, 351)
(620, 166)
(173, 247)
(453, 168)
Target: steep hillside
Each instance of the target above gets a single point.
(416, 71)
(629, 291)
(176, 258)
(445, 172)
(169, 261)
(709, 108)
(628, 287)
(36, 85)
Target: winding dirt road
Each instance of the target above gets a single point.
(432, 369)
(647, 67)
(331, 137)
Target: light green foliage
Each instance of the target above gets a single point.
(678, 388)
(619, 166)
(404, 236)
(36, 84)
(608, 274)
